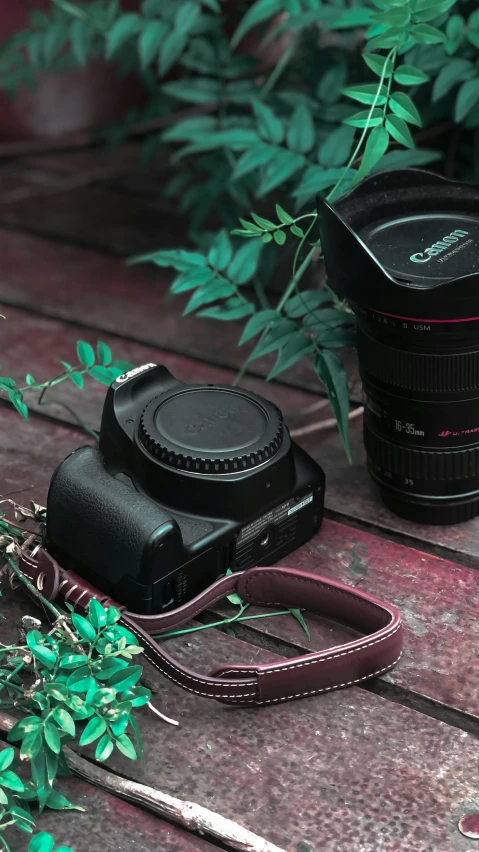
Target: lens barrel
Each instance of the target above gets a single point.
(403, 247)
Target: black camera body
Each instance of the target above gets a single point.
(188, 481)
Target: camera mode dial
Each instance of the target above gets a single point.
(211, 429)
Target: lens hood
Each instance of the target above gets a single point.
(400, 234)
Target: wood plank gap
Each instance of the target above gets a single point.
(443, 552)
(49, 418)
(77, 323)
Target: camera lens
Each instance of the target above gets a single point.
(410, 270)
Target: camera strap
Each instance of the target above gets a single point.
(377, 651)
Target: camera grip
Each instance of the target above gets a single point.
(104, 525)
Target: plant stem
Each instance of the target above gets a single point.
(220, 624)
(31, 588)
(278, 70)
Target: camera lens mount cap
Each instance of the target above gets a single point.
(211, 429)
(425, 249)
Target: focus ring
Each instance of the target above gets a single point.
(416, 371)
(425, 465)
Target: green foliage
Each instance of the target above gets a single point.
(98, 366)
(332, 111)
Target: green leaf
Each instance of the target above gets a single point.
(391, 37)
(401, 159)
(218, 288)
(467, 98)
(104, 353)
(257, 155)
(83, 627)
(104, 748)
(399, 130)
(402, 105)
(256, 14)
(305, 302)
(376, 63)
(191, 279)
(31, 745)
(264, 224)
(44, 655)
(332, 374)
(150, 40)
(455, 71)
(64, 720)
(125, 745)
(72, 661)
(455, 30)
(198, 90)
(279, 237)
(270, 128)
(3, 797)
(407, 75)
(221, 251)
(29, 379)
(77, 379)
(42, 842)
(232, 309)
(245, 262)
(258, 323)
(96, 614)
(6, 758)
(171, 49)
(25, 726)
(94, 729)
(425, 34)
(16, 399)
(284, 217)
(85, 353)
(57, 802)
(80, 40)
(102, 375)
(428, 10)
(57, 690)
(123, 29)
(53, 41)
(376, 147)
(299, 617)
(282, 331)
(11, 781)
(294, 349)
(366, 118)
(187, 16)
(331, 83)
(6, 383)
(316, 179)
(301, 133)
(368, 94)
(283, 166)
(125, 679)
(52, 737)
(336, 148)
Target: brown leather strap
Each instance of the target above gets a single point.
(377, 651)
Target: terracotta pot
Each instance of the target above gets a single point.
(67, 102)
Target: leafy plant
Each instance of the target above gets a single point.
(78, 682)
(352, 88)
(98, 365)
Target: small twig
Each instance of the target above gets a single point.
(161, 715)
(324, 424)
(187, 814)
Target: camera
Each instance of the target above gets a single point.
(403, 248)
(187, 482)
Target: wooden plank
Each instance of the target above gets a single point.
(438, 599)
(36, 344)
(346, 770)
(102, 293)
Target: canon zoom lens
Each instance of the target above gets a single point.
(403, 248)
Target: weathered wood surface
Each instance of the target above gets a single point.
(102, 293)
(343, 772)
(439, 600)
(108, 825)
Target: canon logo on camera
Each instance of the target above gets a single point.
(439, 247)
(131, 373)
(201, 425)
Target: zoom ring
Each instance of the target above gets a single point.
(426, 465)
(415, 371)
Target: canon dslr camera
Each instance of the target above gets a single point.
(188, 482)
